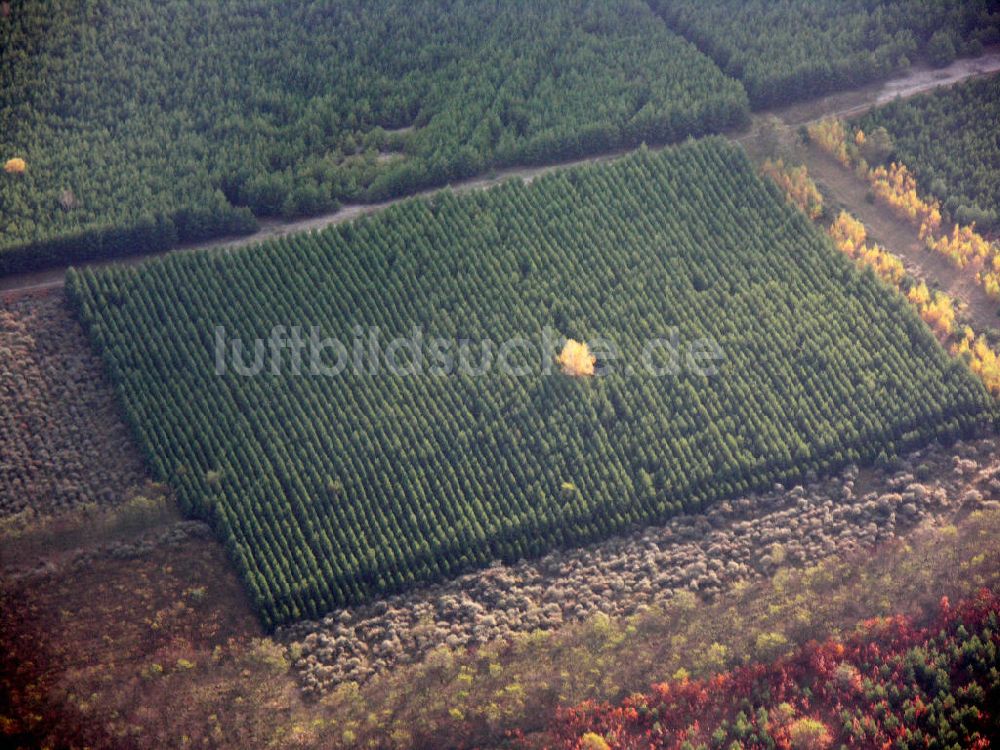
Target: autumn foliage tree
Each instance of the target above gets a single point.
(989, 276)
(963, 245)
(576, 359)
(797, 185)
(850, 237)
(897, 188)
(982, 359)
(831, 135)
(936, 308)
(16, 165)
(933, 686)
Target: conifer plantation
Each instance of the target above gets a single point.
(143, 124)
(422, 374)
(329, 490)
(797, 49)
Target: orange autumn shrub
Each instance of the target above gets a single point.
(17, 165)
(983, 360)
(886, 265)
(797, 185)
(919, 295)
(936, 308)
(848, 233)
(989, 277)
(850, 238)
(576, 359)
(897, 188)
(831, 136)
(963, 245)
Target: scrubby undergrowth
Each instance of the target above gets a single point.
(733, 544)
(64, 443)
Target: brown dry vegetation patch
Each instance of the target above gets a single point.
(144, 643)
(731, 545)
(107, 600)
(91, 645)
(62, 442)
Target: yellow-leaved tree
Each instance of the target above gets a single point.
(17, 165)
(576, 359)
(936, 308)
(982, 359)
(831, 136)
(797, 184)
(850, 238)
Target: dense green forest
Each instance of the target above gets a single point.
(786, 50)
(950, 140)
(142, 124)
(328, 490)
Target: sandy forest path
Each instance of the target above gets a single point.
(898, 236)
(917, 79)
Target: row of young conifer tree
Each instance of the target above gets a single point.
(329, 490)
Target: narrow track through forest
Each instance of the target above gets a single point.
(917, 80)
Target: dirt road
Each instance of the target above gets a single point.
(845, 189)
(271, 228)
(918, 79)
